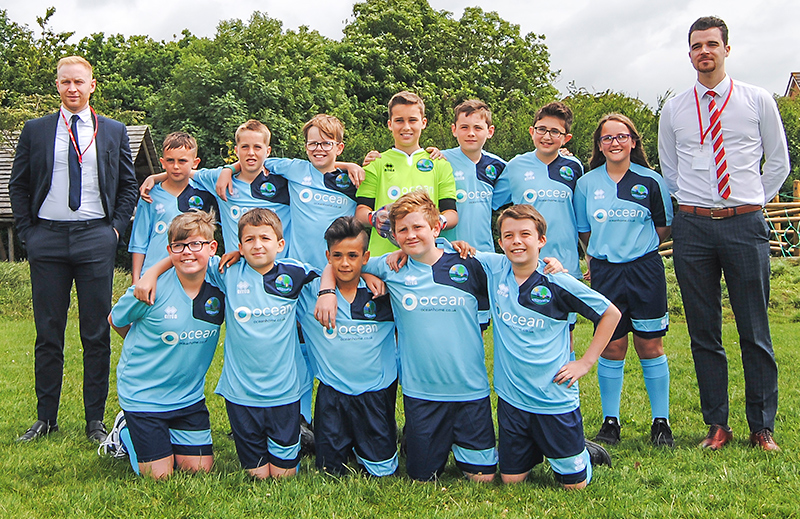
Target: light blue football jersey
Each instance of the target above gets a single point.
(531, 334)
(436, 310)
(550, 189)
(169, 346)
(149, 234)
(622, 217)
(360, 354)
(474, 190)
(317, 200)
(263, 366)
(270, 191)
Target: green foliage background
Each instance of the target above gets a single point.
(256, 69)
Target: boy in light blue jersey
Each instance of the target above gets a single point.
(251, 188)
(624, 212)
(320, 188)
(476, 173)
(538, 407)
(546, 180)
(175, 195)
(437, 297)
(264, 374)
(355, 362)
(167, 350)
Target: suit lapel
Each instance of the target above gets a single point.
(102, 148)
(50, 147)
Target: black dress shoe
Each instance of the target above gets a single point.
(38, 429)
(96, 431)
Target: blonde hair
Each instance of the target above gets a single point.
(254, 126)
(261, 216)
(74, 60)
(523, 212)
(191, 223)
(406, 98)
(414, 202)
(328, 125)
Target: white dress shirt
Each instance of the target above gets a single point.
(56, 204)
(751, 127)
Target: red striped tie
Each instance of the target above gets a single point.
(723, 184)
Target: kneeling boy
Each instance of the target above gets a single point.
(538, 409)
(355, 362)
(167, 350)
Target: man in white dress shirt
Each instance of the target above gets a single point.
(711, 141)
(72, 191)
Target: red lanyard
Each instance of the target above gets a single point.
(700, 118)
(72, 136)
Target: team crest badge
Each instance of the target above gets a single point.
(342, 181)
(212, 306)
(267, 189)
(195, 202)
(639, 192)
(491, 171)
(283, 283)
(541, 295)
(459, 273)
(425, 165)
(370, 310)
(566, 173)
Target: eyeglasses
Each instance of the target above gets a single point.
(325, 145)
(621, 138)
(554, 132)
(194, 246)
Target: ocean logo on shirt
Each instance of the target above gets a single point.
(283, 283)
(566, 173)
(458, 273)
(353, 329)
(541, 295)
(171, 338)
(161, 227)
(461, 195)
(491, 171)
(160, 208)
(600, 215)
(393, 193)
(195, 202)
(370, 310)
(639, 192)
(529, 196)
(212, 306)
(268, 189)
(411, 301)
(342, 181)
(170, 312)
(425, 165)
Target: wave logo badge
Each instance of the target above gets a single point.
(425, 165)
(195, 202)
(566, 173)
(639, 192)
(600, 215)
(393, 193)
(541, 295)
(530, 196)
(459, 273)
(283, 284)
(268, 189)
(212, 306)
(342, 181)
(370, 310)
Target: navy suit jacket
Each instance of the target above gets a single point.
(32, 172)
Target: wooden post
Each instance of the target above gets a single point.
(11, 243)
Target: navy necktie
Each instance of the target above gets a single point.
(74, 168)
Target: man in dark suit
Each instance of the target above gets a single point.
(72, 190)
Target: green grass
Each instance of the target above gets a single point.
(63, 476)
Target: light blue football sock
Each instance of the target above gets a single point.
(656, 380)
(610, 374)
(125, 438)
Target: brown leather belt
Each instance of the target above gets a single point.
(719, 213)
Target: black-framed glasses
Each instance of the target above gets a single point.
(621, 138)
(194, 246)
(325, 145)
(555, 133)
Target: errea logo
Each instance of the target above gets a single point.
(458, 175)
(599, 194)
(159, 207)
(530, 175)
(410, 281)
(502, 290)
(307, 180)
(170, 312)
(243, 287)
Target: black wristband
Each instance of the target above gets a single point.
(326, 291)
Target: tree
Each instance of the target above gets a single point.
(790, 113)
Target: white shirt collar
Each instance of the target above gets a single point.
(85, 115)
(721, 88)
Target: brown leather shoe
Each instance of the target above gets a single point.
(764, 439)
(718, 435)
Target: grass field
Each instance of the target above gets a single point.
(62, 476)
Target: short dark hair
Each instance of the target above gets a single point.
(558, 110)
(471, 106)
(177, 140)
(523, 212)
(260, 216)
(709, 22)
(406, 98)
(343, 228)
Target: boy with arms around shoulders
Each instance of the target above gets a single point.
(403, 169)
(176, 195)
(538, 410)
(476, 173)
(264, 373)
(167, 350)
(546, 179)
(355, 362)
